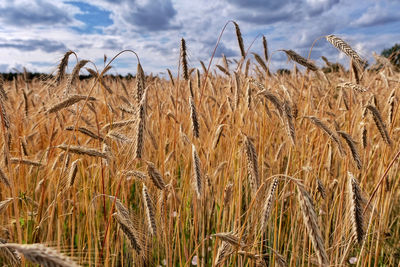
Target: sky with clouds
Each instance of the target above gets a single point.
(36, 33)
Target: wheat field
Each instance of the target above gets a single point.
(228, 166)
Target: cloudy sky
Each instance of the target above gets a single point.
(36, 33)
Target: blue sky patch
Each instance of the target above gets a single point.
(93, 17)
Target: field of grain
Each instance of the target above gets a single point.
(237, 166)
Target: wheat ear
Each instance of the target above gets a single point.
(379, 123)
(240, 40)
(345, 48)
(40, 254)
(355, 200)
(328, 131)
(148, 204)
(352, 145)
(155, 176)
(184, 60)
(252, 164)
(197, 179)
(310, 221)
(268, 204)
(301, 60)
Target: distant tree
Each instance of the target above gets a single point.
(393, 54)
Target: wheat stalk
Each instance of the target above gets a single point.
(252, 164)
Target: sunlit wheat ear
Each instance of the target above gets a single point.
(72, 173)
(10, 254)
(68, 102)
(136, 174)
(345, 48)
(355, 87)
(197, 179)
(328, 131)
(74, 76)
(62, 66)
(231, 238)
(247, 68)
(237, 89)
(249, 96)
(194, 117)
(185, 69)
(301, 60)
(391, 106)
(171, 77)
(83, 151)
(118, 124)
(321, 188)
(364, 136)
(228, 194)
(240, 40)
(352, 145)
(25, 162)
(252, 164)
(289, 122)
(148, 204)
(225, 71)
(4, 179)
(217, 136)
(224, 250)
(198, 79)
(379, 123)
(139, 129)
(140, 83)
(4, 204)
(310, 221)
(155, 176)
(4, 116)
(355, 71)
(85, 131)
(260, 61)
(39, 254)
(268, 204)
(355, 200)
(129, 231)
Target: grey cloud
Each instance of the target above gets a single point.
(112, 44)
(376, 16)
(33, 13)
(262, 12)
(154, 15)
(30, 45)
